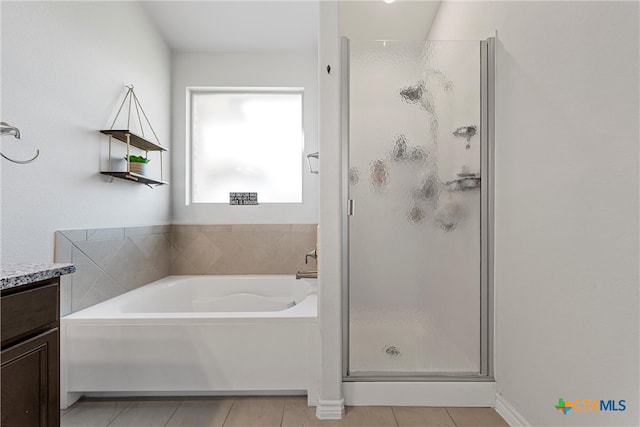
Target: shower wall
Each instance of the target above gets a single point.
(414, 238)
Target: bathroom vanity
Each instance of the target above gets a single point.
(30, 356)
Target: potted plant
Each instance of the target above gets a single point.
(138, 164)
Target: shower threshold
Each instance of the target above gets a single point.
(416, 377)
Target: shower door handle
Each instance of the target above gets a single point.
(350, 207)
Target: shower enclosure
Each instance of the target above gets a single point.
(417, 155)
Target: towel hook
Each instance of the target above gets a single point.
(7, 129)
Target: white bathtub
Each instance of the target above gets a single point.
(193, 335)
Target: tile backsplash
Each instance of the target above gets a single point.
(112, 261)
(241, 249)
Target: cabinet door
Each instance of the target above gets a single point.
(29, 382)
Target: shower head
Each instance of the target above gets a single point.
(7, 129)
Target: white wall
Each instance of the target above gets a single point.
(566, 201)
(64, 67)
(265, 69)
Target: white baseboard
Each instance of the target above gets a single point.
(509, 413)
(68, 399)
(481, 394)
(330, 409)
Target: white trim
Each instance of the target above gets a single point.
(458, 393)
(330, 216)
(509, 413)
(208, 95)
(330, 409)
(66, 398)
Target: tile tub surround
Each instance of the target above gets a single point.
(242, 248)
(112, 261)
(12, 275)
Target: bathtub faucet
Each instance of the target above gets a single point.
(306, 275)
(313, 254)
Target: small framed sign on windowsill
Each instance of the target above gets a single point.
(240, 199)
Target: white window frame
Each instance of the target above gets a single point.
(236, 90)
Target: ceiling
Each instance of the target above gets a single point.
(267, 25)
(377, 20)
(236, 26)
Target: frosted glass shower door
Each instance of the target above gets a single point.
(414, 237)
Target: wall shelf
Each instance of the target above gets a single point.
(135, 177)
(132, 139)
(135, 140)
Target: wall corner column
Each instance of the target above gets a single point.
(330, 398)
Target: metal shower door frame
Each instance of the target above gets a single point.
(487, 143)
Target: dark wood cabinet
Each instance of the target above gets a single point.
(30, 356)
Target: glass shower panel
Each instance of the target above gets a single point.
(414, 237)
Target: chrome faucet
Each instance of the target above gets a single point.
(313, 254)
(308, 274)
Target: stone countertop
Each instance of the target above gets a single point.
(12, 275)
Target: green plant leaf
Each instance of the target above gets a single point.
(137, 159)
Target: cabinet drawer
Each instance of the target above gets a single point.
(28, 312)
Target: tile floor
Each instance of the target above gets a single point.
(262, 412)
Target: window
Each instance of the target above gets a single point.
(246, 140)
